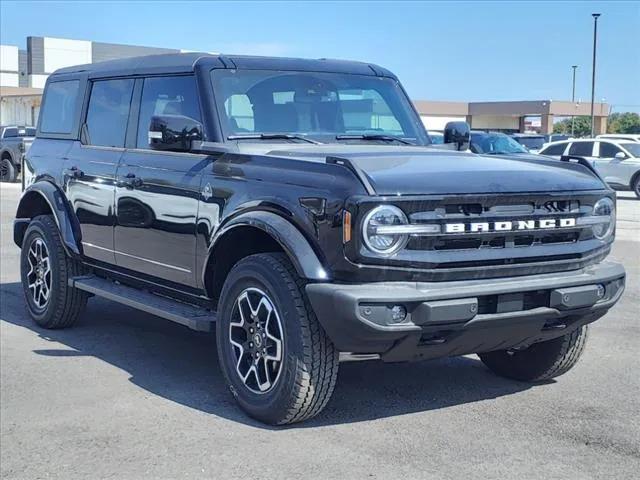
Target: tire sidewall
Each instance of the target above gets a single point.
(38, 229)
(11, 170)
(257, 273)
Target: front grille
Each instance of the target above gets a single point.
(467, 253)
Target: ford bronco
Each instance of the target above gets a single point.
(299, 207)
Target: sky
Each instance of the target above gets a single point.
(456, 51)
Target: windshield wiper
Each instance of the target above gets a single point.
(386, 138)
(272, 136)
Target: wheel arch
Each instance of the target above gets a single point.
(44, 198)
(259, 232)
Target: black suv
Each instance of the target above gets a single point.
(299, 206)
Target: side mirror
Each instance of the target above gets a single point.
(458, 133)
(173, 132)
(620, 156)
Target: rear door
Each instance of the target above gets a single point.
(158, 191)
(90, 166)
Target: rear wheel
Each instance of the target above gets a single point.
(7, 170)
(541, 361)
(45, 270)
(280, 365)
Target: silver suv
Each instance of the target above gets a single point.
(617, 161)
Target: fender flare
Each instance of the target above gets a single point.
(66, 221)
(300, 252)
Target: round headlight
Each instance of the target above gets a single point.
(384, 243)
(604, 208)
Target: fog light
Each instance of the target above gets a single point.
(398, 313)
(601, 291)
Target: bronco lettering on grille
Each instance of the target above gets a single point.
(510, 225)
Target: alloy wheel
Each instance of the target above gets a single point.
(256, 337)
(39, 275)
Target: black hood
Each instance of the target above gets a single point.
(421, 170)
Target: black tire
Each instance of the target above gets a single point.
(309, 365)
(64, 303)
(8, 171)
(541, 361)
(635, 186)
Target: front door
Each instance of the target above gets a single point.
(157, 192)
(89, 168)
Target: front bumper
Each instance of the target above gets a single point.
(457, 318)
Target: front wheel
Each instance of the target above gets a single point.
(541, 361)
(277, 360)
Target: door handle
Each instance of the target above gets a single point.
(131, 181)
(74, 172)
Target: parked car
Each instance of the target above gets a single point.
(436, 136)
(14, 142)
(621, 136)
(495, 143)
(299, 205)
(531, 141)
(555, 137)
(617, 161)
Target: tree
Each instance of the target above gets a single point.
(624, 122)
(582, 127)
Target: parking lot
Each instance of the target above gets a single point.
(129, 395)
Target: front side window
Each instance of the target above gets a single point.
(582, 149)
(166, 96)
(608, 150)
(322, 106)
(59, 107)
(10, 132)
(108, 112)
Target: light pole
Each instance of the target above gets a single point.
(593, 70)
(573, 98)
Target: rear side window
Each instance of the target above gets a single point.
(10, 132)
(554, 149)
(59, 109)
(582, 149)
(166, 96)
(108, 112)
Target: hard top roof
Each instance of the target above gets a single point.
(187, 62)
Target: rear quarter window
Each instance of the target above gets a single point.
(60, 106)
(554, 149)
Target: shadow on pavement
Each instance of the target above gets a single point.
(181, 365)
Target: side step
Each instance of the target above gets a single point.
(196, 318)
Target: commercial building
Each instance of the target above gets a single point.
(510, 117)
(23, 74)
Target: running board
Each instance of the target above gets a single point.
(196, 318)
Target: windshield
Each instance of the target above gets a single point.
(322, 106)
(494, 143)
(532, 143)
(632, 147)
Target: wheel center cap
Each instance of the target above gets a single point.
(257, 339)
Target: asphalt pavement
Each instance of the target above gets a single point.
(130, 396)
